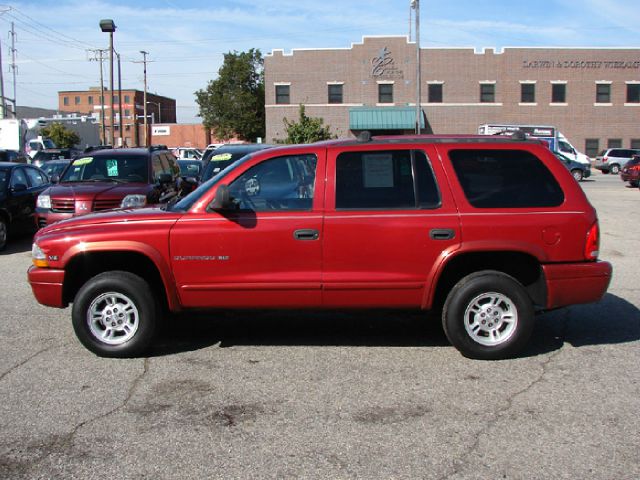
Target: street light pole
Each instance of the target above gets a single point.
(416, 5)
(108, 26)
(159, 105)
(120, 123)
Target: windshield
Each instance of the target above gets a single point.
(187, 202)
(48, 143)
(120, 168)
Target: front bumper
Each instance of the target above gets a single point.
(47, 285)
(46, 217)
(575, 283)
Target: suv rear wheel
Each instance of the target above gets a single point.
(115, 314)
(488, 316)
(614, 169)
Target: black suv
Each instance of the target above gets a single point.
(107, 179)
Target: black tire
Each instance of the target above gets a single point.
(577, 174)
(132, 315)
(4, 233)
(498, 298)
(614, 169)
(633, 184)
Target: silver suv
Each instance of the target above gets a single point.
(613, 159)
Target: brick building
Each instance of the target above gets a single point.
(89, 102)
(591, 94)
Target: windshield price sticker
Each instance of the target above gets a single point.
(83, 161)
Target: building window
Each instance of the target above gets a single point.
(559, 93)
(76, 100)
(282, 94)
(334, 93)
(633, 93)
(592, 147)
(127, 99)
(603, 93)
(127, 112)
(614, 143)
(635, 143)
(487, 93)
(90, 100)
(527, 93)
(115, 99)
(385, 93)
(65, 100)
(434, 93)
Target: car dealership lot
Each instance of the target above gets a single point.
(329, 395)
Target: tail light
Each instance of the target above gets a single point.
(592, 245)
(634, 167)
(604, 159)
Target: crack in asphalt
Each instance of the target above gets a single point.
(25, 361)
(67, 440)
(463, 462)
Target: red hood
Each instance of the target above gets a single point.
(125, 216)
(91, 190)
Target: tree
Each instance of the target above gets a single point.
(233, 104)
(61, 135)
(306, 129)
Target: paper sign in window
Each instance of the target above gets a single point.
(378, 170)
(112, 168)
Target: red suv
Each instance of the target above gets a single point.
(631, 171)
(107, 179)
(486, 231)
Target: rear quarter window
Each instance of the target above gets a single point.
(505, 179)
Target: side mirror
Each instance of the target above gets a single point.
(55, 178)
(223, 199)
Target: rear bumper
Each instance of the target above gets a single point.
(47, 286)
(574, 283)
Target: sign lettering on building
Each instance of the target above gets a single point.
(581, 64)
(384, 66)
(159, 131)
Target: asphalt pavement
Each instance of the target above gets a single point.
(329, 395)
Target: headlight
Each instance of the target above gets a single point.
(131, 201)
(44, 201)
(38, 257)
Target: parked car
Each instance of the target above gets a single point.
(43, 156)
(107, 179)
(12, 156)
(631, 171)
(19, 186)
(187, 153)
(485, 231)
(190, 168)
(613, 159)
(214, 161)
(579, 170)
(54, 168)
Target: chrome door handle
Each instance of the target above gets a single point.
(306, 234)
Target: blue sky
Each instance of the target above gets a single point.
(186, 39)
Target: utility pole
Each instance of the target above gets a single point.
(100, 58)
(416, 5)
(13, 69)
(146, 128)
(3, 107)
(120, 102)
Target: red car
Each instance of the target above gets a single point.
(448, 224)
(631, 171)
(108, 179)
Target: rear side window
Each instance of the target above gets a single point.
(505, 179)
(389, 179)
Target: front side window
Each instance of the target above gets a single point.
(558, 93)
(495, 179)
(389, 179)
(282, 94)
(487, 93)
(18, 178)
(527, 93)
(385, 93)
(603, 93)
(335, 93)
(36, 178)
(633, 93)
(283, 183)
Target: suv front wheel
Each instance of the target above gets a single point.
(488, 316)
(115, 314)
(614, 169)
